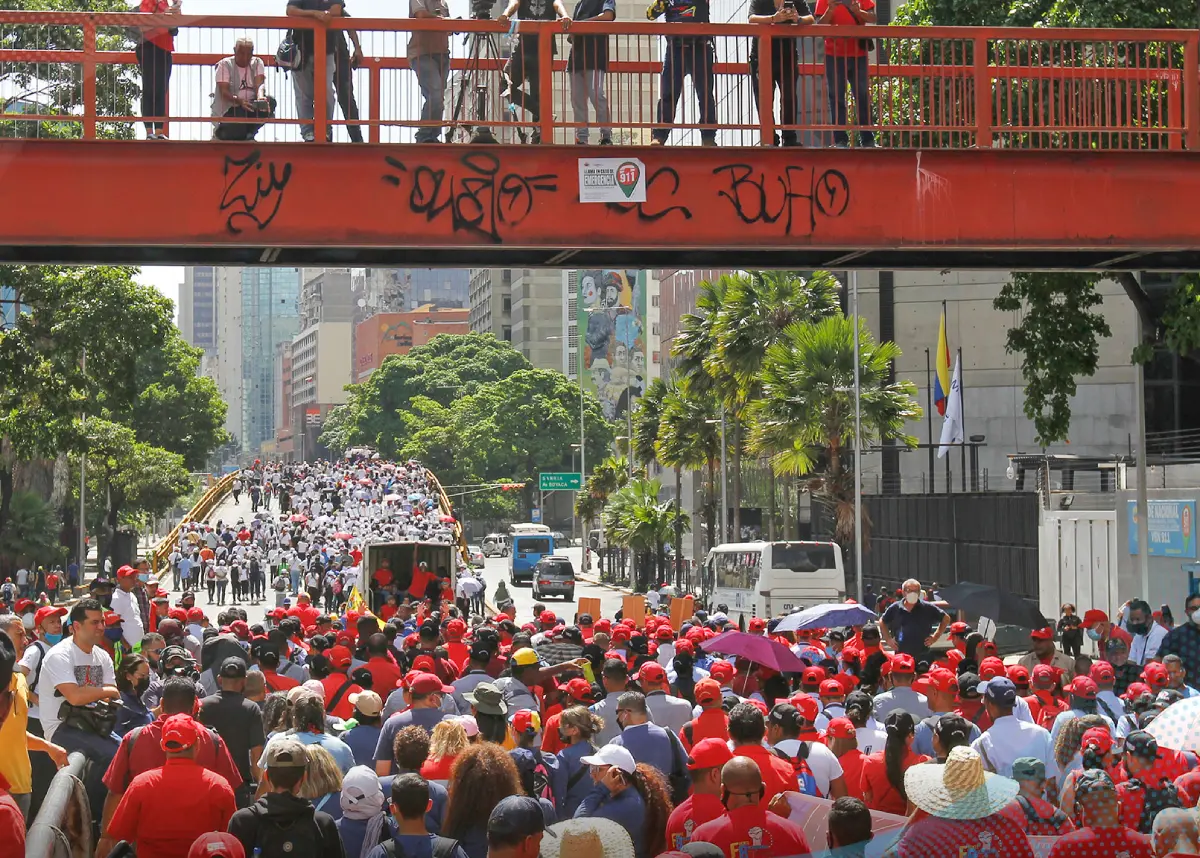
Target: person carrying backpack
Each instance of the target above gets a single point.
(541, 775)
(1147, 791)
(409, 803)
(281, 824)
(792, 736)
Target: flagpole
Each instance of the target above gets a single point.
(962, 450)
(858, 531)
(929, 420)
(949, 477)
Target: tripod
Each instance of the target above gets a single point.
(483, 48)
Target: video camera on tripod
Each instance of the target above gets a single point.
(475, 77)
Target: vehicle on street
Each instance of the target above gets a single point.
(769, 579)
(495, 545)
(530, 543)
(554, 576)
(477, 556)
(403, 557)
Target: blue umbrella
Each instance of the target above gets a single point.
(830, 616)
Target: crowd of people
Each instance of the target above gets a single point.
(240, 79)
(453, 730)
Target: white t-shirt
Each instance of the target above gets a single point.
(822, 761)
(66, 663)
(29, 663)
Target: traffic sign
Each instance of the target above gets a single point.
(560, 482)
(535, 515)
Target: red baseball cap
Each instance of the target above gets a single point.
(424, 663)
(1042, 634)
(664, 633)
(1082, 686)
(195, 615)
(179, 732)
(1018, 674)
(808, 707)
(216, 844)
(708, 691)
(339, 656)
(848, 681)
(603, 625)
(813, 676)
(903, 663)
(652, 671)
(1102, 671)
(428, 683)
(1097, 739)
(943, 680)
(277, 613)
(721, 671)
(620, 633)
(959, 628)
(127, 572)
(579, 689)
(23, 605)
(240, 628)
(46, 613)
(840, 728)
(526, 721)
(1090, 618)
(111, 618)
(547, 618)
(709, 754)
(1155, 674)
(455, 629)
(991, 667)
(1136, 690)
(179, 614)
(757, 624)
(832, 688)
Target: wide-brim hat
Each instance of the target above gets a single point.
(960, 789)
(594, 838)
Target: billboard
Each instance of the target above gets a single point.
(1170, 526)
(612, 336)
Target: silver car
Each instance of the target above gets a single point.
(554, 576)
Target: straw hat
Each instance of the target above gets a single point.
(960, 789)
(593, 838)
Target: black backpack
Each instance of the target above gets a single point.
(301, 839)
(443, 847)
(1156, 798)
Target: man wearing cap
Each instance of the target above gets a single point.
(943, 689)
(236, 720)
(363, 737)
(747, 822)
(1045, 652)
(791, 735)
(613, 677)
(901, 695)
(200, 800)
(478, 660)
(516, 827)
(1101, 631)
(338, 686)
(47, 632)
(1009, 738)
(281, 818)
(1081, 696)
(906, 625)
(1125, 672)
(125, 603)
(1146, 791)
(962, 802)
(1184, 639)
(1102, 831)
(424, 698)
(612, 795)
(667, 711)
(1029, 810)
(704, 804)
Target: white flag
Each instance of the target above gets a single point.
(952, 428)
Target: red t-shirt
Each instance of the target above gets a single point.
(1189, 785)
(52, 582)
(332, 683)
(385, 673)
(1093, 842)
(852, 763)
(12, 823)
(753, 831)
(306, 614)
(200, 801)
(437, 770)
(141, 751)
(842, 15)
(685, 819)
(712, 724)
(1042, 826)
(278, 682)
(458, 653)
(382, 576)
(994, 836)
(884, 796)
(777, 773)
(1133, 799)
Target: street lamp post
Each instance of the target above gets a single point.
(724, 481)
(858, 534)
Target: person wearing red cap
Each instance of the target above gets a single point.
(1044, 704)
(1045, 652)
(338, 686)
(705, 762)
(578, 692)
(667, 711)
(385, 673)
(901, 696)
(1100, 630)
(1081, 696)
(201, 801)
(747, 824)
(943, 689)
(216, 844)
(957, 633)
(712, 722)
(125, 604)
(841, 737)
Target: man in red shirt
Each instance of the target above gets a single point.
(747, 729)
(1150, 773)
(712, 721)
(304, 611)
(1033, 814)
(1102, 631)
(200, 800)
(268, 663)
(579, 693)
(747, 827)
(382, 666)
(1044, 705)
(339, 687)
(1102, 833)
(704, 804)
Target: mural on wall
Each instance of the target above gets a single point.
(612, 324)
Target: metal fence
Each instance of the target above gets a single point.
(76, 75)
(63, 826)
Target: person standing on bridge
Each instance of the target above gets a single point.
(303, 80)
(154, 52)
(783, 60)
(686, 55)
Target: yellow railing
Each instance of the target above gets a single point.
(207, 503)
(447, 509)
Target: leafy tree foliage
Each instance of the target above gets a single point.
(636, 519)
(32, 532)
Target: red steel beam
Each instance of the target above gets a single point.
(498, 198)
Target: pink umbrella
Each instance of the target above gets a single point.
(299, 519)
(446, 519)
(364, 482)
(343, 535)
(758, 649)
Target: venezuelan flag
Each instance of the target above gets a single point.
(941, 378)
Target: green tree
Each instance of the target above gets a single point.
(805, 418)
(636, 519)
(56, 89)
(32, 535)
(689, 438)
(606, 479)
(1059, 329)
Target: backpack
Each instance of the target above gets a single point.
(443, 847)
(9, 590)
(1156, 799)
(295, 841)
(1057, 820)
(42, 648)
(804, 773)
(536, 780)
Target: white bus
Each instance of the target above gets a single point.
(769, 579)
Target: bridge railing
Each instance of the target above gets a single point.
(76, 75)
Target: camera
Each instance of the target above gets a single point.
(481, 10)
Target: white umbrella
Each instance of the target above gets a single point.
(1178, 726)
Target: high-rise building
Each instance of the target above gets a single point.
(387, 334)
(10, 306)
(198, 307)
(491, 302)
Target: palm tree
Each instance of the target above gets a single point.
(688, 438)
(805, 418)
(606, 478)
(639, 521)
(758, 306)
(647, 429)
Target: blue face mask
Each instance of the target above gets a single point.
(1093, 634)
(112, 634)
(143, 577)
(53, 639)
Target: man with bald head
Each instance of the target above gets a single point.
(745, 822)
(1175, 833)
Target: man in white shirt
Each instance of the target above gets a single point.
(125, 603)
(788, 729)
(1008, 738)
(23, 582)
(1147, 634)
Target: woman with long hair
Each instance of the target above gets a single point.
(576, 727)
(1067, 750)
(637, 799)
(277, 713)
(883, 771)
(323, 781)
(1095, 752)
(951, 731)
(481, 776)
(448, 741)
(133, 678)
(492, 728)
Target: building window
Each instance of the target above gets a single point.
(654, 329)
(506, 304)
(506, 333)
(654, 300)
(654, 357)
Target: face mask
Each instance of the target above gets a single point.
(141, 687)
(112, 634)
(143, 577)
(912, 598)
(53, 639)
(1195, 617)
(1139, 628)
(564, 738)
(27, 621)
(1095, 635)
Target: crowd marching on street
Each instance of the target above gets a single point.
(378, 712)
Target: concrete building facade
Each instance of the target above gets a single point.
(197, 310)
(386, 334)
